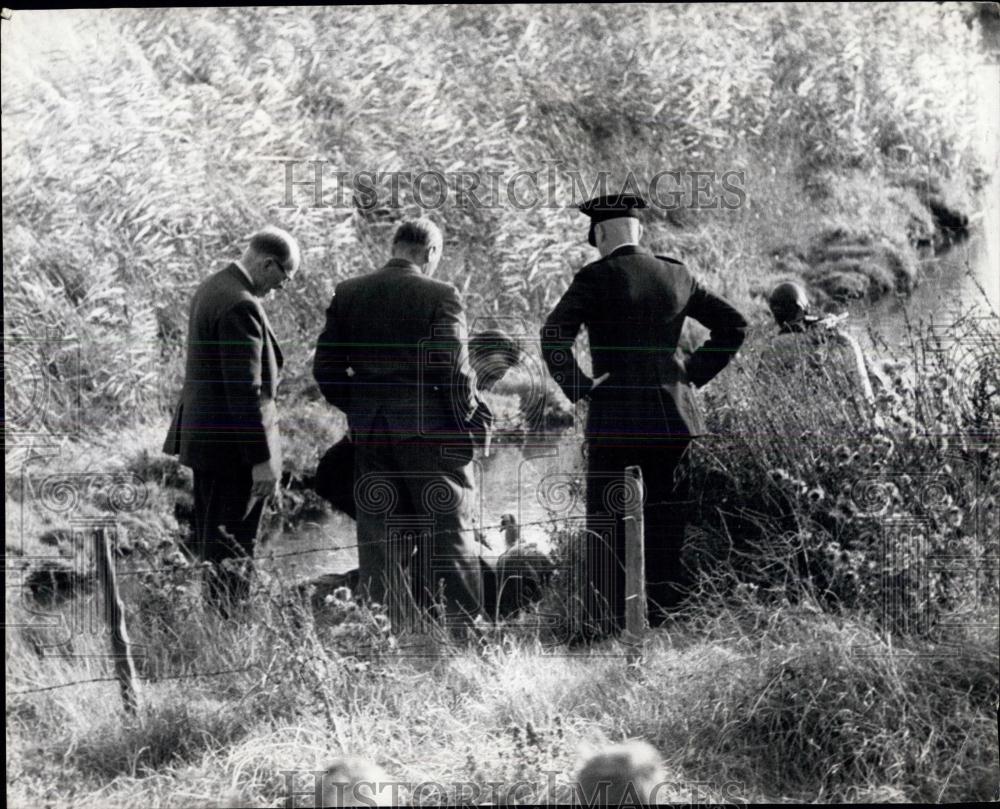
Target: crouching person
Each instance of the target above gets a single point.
(815, 354)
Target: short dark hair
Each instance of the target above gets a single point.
(417, 233)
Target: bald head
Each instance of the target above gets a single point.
(354, 781)
(613, 233)
(271, 258)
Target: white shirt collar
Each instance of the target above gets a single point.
(243, 270)
(619, 246)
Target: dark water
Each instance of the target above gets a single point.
(516, 482)
(965, 277)
(954, 283)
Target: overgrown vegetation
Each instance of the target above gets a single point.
(809, 707)
(826, 693)
(129, 176)
(810, 488)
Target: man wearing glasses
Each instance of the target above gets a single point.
(225, 427)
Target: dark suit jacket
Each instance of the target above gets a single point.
(227, 414)
(404, 338)
(634, 305)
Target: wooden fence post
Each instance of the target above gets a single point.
(636, 621)
(114, 614)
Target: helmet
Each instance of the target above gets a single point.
(788, 302)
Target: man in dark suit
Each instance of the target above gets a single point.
(642, 410)
(394, 358)
(226, 425)
(492, 353)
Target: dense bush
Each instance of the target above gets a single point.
(812, 490)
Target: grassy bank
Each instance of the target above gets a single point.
(784, 678)
(742, 700)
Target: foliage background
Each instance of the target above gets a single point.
(140, 148)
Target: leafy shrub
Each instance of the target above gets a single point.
(855, 502)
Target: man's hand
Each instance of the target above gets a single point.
(597, 383)
(482, 425)
(264, 482)
(482, 419)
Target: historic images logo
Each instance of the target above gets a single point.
(319, 185)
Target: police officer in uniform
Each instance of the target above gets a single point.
(643, 409)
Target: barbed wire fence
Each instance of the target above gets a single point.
(126, 677)
(185, 676)
(269, 557)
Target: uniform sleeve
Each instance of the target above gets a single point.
(559, 333)
(727, 331)
(241, 334)
(331, 361)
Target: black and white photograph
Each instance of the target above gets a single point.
(501, 404)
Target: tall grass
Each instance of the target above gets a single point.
(742, 700)
(810, 489)
(140, 149)
(132, 168)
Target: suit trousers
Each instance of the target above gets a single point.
(665, 509)
(414, 500)
(226, 521)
